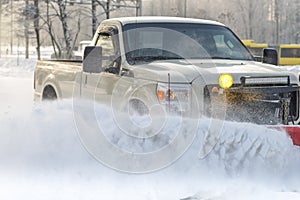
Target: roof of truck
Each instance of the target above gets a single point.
(159, 19)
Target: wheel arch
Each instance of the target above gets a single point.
(50, 84)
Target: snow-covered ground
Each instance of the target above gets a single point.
(42, 155)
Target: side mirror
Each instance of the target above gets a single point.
(92, 59)
(270, 56)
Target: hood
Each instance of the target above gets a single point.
(180, 71)
(185, 71)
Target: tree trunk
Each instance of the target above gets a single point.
(107, 9)
(0, 28)
(49, 24)
(250, 18)
(26, 26)
(66, 30)
(94, 17)
(37, 28)
(277, 21)
(11, 27)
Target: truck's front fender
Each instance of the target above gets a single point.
(136, 90)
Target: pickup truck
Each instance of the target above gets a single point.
(184, 66)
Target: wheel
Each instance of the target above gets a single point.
(49, 93)
(137, 107)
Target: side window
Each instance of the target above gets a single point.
(106, 42)
(111, 60)
(290, 52)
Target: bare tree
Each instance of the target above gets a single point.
(11, 27)
(0, 28)
(66, 31)
(277, 21)
(37, 28)
(48, 22)
(109, 6)
(105, 5)
(26, 26)
(297, 20)
(94, 17)
(61, 25)
(289, 21)
(56, 10)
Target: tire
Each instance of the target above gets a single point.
(137, 107)
(49, 93)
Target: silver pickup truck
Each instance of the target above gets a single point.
(183, 66)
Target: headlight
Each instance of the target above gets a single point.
(226, 81)
(178, 95)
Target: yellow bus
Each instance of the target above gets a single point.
(247, 42)
(289, 54)
(255, 48)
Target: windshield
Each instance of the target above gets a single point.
(160, 41)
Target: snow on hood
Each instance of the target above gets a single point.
(185, 71)
(179, 70)
(292, 68)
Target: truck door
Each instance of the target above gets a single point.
(99, 86)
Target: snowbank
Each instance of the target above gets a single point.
(17, 66)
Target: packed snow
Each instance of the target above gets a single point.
(43, 157)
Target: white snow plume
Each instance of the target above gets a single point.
(42, 158)
(16, 96)
(245, 146)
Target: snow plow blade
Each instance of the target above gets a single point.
(292, 130)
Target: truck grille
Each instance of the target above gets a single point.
(253, 107)
(260, 105)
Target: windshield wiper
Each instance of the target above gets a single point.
(153, 58)
(220, 57)
(228, 58)
(211, 57)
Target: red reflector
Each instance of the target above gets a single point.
(294, 132)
